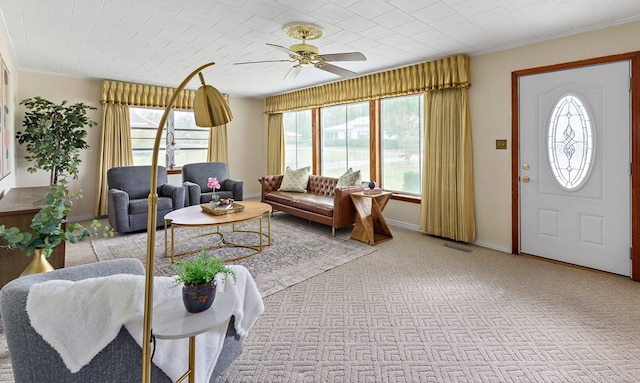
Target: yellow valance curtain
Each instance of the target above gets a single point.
(450, 72)
(115, 92)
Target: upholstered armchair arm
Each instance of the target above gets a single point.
(192, 191)
(176, 192)
(344, 212)
(270, 183)
(118, 207)
(235, 187)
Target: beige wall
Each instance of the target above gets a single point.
(245, 134)
(9, 181)
(57, 89)
(490, 103)
(490, 116)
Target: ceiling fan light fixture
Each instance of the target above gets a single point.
(304, 48)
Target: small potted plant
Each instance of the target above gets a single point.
(198, 276)
(49, 230)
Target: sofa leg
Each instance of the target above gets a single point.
(333, 231)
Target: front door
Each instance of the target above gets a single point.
(575, 166)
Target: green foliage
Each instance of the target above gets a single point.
(200, 269)
(54, 135)
(47, 225)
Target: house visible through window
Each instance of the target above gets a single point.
(345, 139)
(182, 142)
(298, 139)
(401, 140)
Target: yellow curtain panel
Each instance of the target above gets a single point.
(450, 72)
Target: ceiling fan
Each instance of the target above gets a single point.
(304, 54)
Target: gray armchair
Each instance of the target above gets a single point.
(128, 197)
(195, 177)
(34, 360)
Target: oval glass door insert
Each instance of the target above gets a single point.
(570, 142)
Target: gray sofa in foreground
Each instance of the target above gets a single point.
(35, 361)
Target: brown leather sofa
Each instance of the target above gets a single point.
(322, 203)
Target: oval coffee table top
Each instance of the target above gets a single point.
(194, 216)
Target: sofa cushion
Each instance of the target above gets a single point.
(285, 198)
(315, 204)
(349, 178)
(295, 180)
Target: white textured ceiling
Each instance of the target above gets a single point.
(159, 42)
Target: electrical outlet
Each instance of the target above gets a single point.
(501, 144)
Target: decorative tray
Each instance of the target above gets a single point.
(222, 209)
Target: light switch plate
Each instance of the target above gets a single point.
(501, 144)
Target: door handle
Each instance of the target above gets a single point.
(525, 179)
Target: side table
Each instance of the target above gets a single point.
(172, 321)
(371, 226)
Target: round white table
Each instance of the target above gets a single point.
(172, 321)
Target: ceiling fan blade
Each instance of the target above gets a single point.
(264, 61)
(337, 70)
(284, 49)
(293, 72)
(346, 56)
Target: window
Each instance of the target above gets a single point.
(298, 139)
(345, 139)
(401, 137)
(348, 132)
(188, 143)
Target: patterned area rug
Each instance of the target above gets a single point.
(299, 249)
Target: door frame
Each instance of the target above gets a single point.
(634, 60)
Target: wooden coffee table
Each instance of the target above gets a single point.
(193, 216)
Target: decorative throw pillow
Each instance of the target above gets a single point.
(295, 180)
(349, 178)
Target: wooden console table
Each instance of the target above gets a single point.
(17, 208)
(371, 226)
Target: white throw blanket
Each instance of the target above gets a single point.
(78, 319)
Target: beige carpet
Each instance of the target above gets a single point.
(416, 310)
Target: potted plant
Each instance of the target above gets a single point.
(50, 228)
(198, 276)
(54, 134)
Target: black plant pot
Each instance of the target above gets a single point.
(199, 297)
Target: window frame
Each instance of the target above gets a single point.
(169, 136)
(374, 147)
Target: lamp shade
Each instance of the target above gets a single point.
(210, 108)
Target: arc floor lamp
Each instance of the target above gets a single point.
(210, 110)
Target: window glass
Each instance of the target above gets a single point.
(144, 124)
(570, 142)
(345, 139)
(187, 142)
(191, 141)
(298, 139)
(401, 137)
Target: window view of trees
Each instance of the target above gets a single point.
(298, 139)
(401, 143)
(182, 143)
(345, 139)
